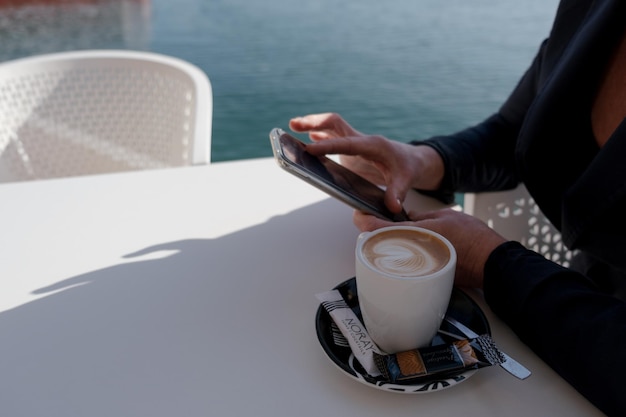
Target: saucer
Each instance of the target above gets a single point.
(461, 307)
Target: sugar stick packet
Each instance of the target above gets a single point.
(363, 347)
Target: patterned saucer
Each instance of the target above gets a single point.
(461, 307)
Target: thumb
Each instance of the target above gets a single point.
(395, 195)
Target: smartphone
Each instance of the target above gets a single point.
(331, 177)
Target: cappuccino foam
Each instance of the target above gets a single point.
(406, 253)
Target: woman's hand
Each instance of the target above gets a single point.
(473, 240)
(395, 165)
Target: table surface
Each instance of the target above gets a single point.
(191, 292)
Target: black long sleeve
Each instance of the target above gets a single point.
(577, 329)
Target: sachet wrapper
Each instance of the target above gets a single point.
(460, 355)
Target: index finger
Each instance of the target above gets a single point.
(343, 146)
(331, 123)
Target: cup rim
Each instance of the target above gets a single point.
(363, 237)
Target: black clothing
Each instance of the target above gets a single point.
(542, 137)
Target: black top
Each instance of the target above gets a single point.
(542, 136)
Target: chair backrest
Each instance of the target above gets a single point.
(515, 216)
(88, 112)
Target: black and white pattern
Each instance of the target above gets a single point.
(461, 307)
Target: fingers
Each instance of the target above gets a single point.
(436, 220)
(371, 147)
(322, 125)
(333, 145)
(312, 122)
(431, 215)
(306, 123)
(397, 189)
(393, 200)
(375, 156)
(367, 222)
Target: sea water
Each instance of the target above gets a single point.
(406, 69)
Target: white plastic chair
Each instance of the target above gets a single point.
(89, 112)
(515, 216)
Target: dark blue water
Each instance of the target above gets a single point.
(403, 68)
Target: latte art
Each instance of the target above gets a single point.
(402, 257)
(406, 253)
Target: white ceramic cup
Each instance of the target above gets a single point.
(404, 277)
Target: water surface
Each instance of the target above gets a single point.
(407, 69)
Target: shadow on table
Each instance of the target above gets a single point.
(143, 337)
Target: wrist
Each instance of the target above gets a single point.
(483, 246)
(430, 168)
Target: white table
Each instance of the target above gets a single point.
(191, 292)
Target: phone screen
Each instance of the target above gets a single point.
(333, 177)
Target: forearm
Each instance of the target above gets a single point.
(564, 318)
(480, 158)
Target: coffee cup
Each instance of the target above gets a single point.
(404, 277)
